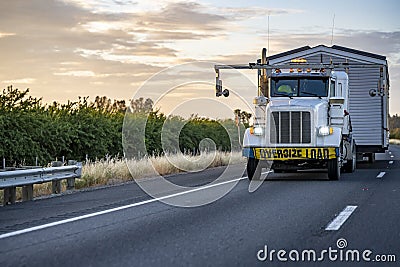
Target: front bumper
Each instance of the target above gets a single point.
(291, 153)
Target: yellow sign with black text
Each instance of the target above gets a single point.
(318, 153)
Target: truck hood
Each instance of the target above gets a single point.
(312, 103)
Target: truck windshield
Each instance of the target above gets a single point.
(299, 86)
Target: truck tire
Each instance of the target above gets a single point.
(351, 163)
(333, 169)
(371, 157)
(253, 169)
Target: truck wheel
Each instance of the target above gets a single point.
(371, 157)
(333, 169)
(253, 169)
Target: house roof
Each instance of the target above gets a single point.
(358, 52)
(283, 54)
(305, 49)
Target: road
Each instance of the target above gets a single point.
(289, 212)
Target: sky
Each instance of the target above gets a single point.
(165, 50)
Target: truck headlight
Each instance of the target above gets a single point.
(256, 130)
(325, 130)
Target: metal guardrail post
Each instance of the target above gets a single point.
(27, 192)
(10, 195)
(56, 184)
(71, 181)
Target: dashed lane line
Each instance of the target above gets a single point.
(340, 219)
(380, 175)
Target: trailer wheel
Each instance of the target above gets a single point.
(253, 169)
(333, 169)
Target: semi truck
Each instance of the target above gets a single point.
(315, 108)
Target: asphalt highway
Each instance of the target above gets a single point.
(286, 222)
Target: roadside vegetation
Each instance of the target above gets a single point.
(114, 171)
(394, 127)
(34, 133)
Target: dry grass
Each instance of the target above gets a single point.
(115, 171)
(394, 141)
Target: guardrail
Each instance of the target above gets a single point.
(10, 180)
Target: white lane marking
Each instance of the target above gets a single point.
(390, 152)
(381, 174)
(391, 162)
(340, 219)
(392, 156)
(47, 225)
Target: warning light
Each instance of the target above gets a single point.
(298, 60)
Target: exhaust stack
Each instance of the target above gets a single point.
(263, 77)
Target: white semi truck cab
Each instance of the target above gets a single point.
(302, 118)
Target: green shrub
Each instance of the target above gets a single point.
(30, 129)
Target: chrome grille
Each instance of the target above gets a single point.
(290, 127)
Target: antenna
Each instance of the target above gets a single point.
(333, 26)
(269, 12)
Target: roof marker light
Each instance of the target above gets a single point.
(298, 60)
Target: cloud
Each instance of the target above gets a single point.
(243, 58)
(177, 35)
(20, 81)
(182, 16)
(104, 6)
(242, 13)
(76, 73)
(23, 17)
(5, 34)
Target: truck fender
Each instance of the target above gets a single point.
(251, 140)
(334, 139)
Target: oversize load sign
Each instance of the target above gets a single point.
(295, 153)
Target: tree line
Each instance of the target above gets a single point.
(31, 131)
